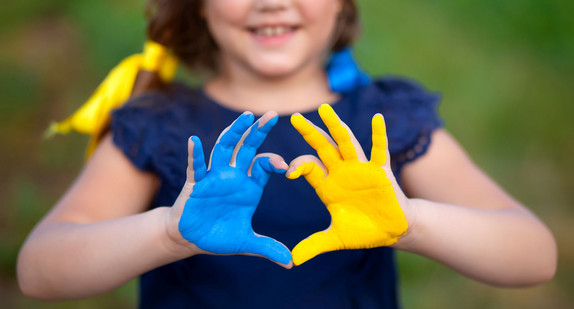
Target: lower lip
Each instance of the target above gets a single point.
(276, 40)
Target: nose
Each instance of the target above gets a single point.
(271, 5)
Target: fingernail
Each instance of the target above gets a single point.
(284, 165)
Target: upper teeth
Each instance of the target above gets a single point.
(271, 30)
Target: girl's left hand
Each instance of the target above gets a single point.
(366, 205)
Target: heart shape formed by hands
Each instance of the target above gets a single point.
(359, 194)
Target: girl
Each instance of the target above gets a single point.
(421, 194)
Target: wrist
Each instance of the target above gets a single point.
(411, 210)
(171, 238)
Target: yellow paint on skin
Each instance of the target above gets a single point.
(328, 154)
(365, 212)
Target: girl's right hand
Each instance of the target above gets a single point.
(214, 209)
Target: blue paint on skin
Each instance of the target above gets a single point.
(199, 167)
(217, 216)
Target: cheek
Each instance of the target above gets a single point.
(319, 8)
(320, 16)
(223, 13)
(231, 11)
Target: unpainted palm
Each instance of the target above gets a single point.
(359, 195)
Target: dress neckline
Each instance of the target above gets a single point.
(206, 97)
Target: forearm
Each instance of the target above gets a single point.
(506, 247)
(74, 260)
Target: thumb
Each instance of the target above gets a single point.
(314, 245)
(269, 248)
(310, 167)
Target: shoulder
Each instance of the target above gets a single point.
(398, 92)
(410, 111)
(151, 120)
(174, 98)
(152, 113)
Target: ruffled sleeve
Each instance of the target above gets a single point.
(411, 115)
(152, 131)
(136, 129)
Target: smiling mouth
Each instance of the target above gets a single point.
(272, 31)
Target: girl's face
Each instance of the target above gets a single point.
(272, 38)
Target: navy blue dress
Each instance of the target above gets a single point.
(152, 130)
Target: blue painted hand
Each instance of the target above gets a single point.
(217, 213)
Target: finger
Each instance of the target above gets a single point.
(347, 142)
(308, 166)
(269, 248)
(253, 139)
(223, 150)
(196, 168)
(379, 150)
(314, 245)
(264, 165)
(341, 134)
(317, 139)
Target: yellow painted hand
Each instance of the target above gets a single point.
(359, 194)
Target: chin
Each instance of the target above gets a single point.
(275, 70)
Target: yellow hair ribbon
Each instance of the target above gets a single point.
(93, 117)
(156, 58)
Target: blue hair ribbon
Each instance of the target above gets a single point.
(344, 74)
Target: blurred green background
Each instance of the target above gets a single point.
(505, 69)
